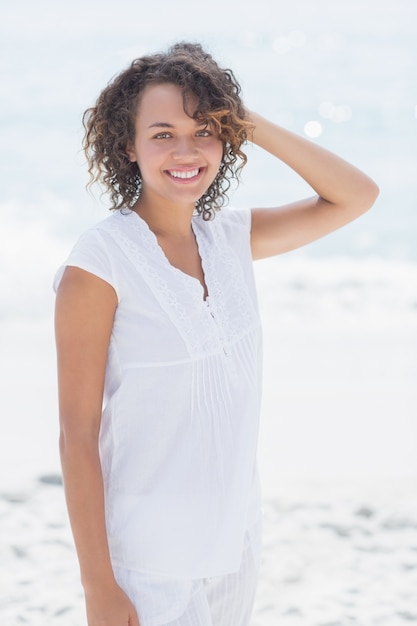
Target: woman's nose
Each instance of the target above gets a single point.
(185, 147)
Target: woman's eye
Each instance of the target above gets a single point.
(162, 136)
(203, 133)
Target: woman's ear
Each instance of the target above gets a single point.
(130, 151)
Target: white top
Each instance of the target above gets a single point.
(182, 393)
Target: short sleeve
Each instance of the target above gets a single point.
(241, 217)
(91, 254)
(236, 226)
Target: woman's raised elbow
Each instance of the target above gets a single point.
(368, 195)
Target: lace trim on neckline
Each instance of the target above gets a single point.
(203, 325)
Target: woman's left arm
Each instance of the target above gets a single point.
(343, 192)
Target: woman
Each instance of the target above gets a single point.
(158, 342)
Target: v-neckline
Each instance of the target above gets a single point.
(204, 291)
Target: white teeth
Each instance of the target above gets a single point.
(188, 174)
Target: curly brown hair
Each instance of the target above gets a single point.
(110, 124)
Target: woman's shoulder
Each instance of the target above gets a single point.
(98, 236)
(92, 251)
(233, 222)
(235, 216)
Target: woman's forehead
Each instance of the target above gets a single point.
(168, 100)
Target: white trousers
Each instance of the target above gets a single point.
(222, 601)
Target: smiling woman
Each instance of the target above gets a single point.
(178, 157)
(210, 97)
(159, 342)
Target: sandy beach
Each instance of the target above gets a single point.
(335, 554)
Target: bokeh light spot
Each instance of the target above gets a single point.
(284, 44)
(281, 45)
(335, 113)
(313, 129)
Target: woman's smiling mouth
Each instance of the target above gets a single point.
(184, 174)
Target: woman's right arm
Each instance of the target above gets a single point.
(85, 308)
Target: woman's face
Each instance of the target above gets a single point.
(178, 157)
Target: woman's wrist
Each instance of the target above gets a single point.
(93, 583)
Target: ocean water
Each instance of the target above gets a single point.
(342, 73)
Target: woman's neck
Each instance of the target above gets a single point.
(165, 219)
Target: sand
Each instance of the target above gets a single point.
(335, 553)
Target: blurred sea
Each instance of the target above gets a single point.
(342, 73)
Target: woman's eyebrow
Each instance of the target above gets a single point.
(161, 125)
(167, 125)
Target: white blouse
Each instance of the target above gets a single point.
(182, 395)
